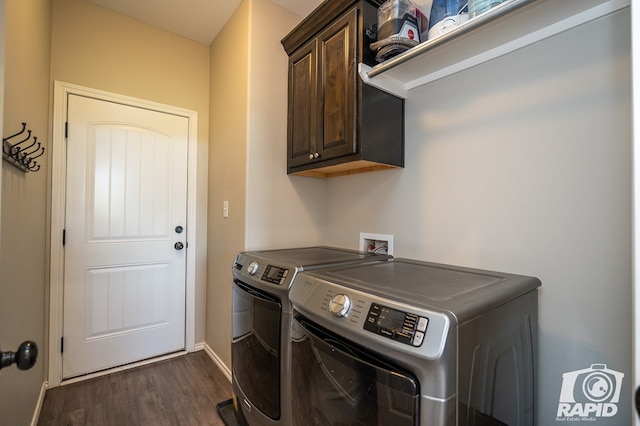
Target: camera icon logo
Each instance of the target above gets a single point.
(594, 384)
(591, 392)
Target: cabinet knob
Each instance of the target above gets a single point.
(314, 156)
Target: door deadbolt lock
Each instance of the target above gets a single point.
(179, 229)
(178, 246)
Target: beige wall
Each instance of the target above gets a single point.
(97, 48)
(24, 206)
(282, 210)
(267, 208)
(227, 173)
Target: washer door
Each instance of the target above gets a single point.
(336, 382)
(255, 347)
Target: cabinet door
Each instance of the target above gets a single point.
(302, 120)
(337, 88)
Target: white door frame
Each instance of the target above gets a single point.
(58, 195)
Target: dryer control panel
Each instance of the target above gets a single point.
(259, 272)
(394, 324)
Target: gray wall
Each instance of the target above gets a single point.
(523, 164)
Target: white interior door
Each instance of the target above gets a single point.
(125, 235)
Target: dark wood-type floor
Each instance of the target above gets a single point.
(179, 391)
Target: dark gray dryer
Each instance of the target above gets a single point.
(261, 323)
(407, 342)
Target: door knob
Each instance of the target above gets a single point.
(24, 358)
(178, 246)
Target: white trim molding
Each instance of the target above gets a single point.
(216, 359)
(36, 413)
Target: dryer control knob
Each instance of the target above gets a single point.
(253, 268)
(339, 305)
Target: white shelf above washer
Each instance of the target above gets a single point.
(507, 27)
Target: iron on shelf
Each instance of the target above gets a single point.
(23, 153)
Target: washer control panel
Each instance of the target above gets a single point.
(365, 318)
(403, 327)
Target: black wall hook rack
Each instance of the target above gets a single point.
(20, 152)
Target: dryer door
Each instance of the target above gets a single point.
(255, 347)
(336, 382)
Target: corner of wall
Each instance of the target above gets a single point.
(227, 172)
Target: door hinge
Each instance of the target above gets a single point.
(66, 129)
(61, 344)
(64, 236)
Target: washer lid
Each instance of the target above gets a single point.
(464, 292)
(314, 257)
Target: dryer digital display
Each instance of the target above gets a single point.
(400, 326)
(275, 274)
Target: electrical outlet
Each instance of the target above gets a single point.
(376, 243)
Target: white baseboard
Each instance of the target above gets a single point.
(36, 413)
(225, 370)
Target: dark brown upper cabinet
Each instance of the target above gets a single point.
(336, 124)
